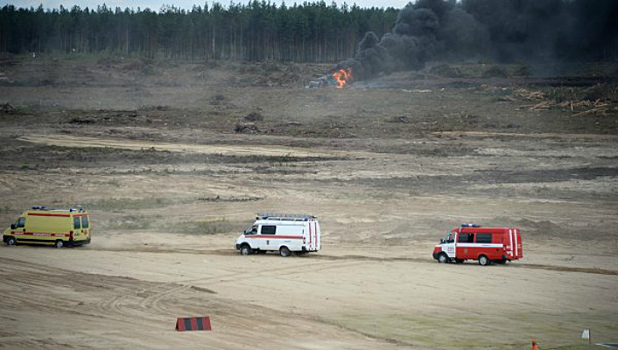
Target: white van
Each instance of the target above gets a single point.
(285, 233)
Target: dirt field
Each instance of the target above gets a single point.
(173, 160)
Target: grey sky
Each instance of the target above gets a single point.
(186, 4)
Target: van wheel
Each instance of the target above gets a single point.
(245, 250)
(59, 244)
(284, 251)
(11, 241)
(483, 260)
(443, 258)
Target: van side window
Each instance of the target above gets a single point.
(76, 225)
(269, 230)
(483, 238)
(21, 222)
(85, 222)
(466, 237)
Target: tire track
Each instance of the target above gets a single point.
(232, 252)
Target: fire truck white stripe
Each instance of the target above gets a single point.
(511, 242)
(480, 245)
(515, 235)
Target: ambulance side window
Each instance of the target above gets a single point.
(269, 230)
(466, 237)
(483, 238)
(76, 224)
(21, 222)
(85, 222)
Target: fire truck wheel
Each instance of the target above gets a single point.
(11, 241)
(483, 260)
(284, 251)
(443, 258)
(245, 250)
(59, 244)
(459, 261)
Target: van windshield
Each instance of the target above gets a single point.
(251, 230)
(449, 238)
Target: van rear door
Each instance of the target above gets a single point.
(86, 226)
(77, 228)
(81, 227)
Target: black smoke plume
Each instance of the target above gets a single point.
(525, 31)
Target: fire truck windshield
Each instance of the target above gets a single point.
(449, 238)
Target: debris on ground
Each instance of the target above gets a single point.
(446, 70)
(246, 128)
(542, 102)
(422, 91)
(230, 199)
(254, 117)
(7, 108)
(399, 119)
(495, 72)
(4, 78)
(529, 95)
(597, 107)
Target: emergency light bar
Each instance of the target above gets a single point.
(470, 225)
(304, 217)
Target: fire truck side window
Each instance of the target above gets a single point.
(483, 238)
(269, 230)
(466, 237)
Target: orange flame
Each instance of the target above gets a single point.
(342, 77)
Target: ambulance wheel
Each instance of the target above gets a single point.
(483, 260)
(443, 258)
(59, 244)
(11, 241)
(245, 250)
(284, 251)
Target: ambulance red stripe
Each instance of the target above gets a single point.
(38, 214)
(275, 237)
(44, 234)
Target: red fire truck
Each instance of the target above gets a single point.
(485, 244)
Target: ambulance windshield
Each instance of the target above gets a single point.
(251, 230)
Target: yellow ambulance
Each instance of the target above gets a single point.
(58, 227)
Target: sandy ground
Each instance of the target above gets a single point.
(169, 194)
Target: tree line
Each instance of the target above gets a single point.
(257, 31)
